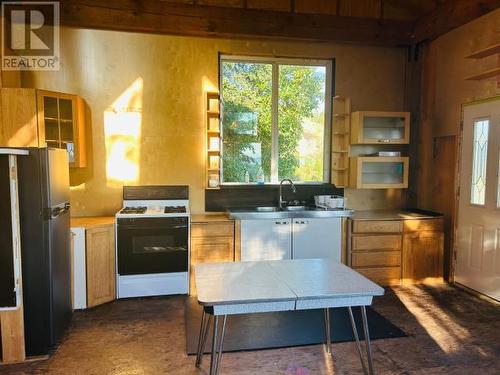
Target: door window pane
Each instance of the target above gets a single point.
(246, 120)
(479, 161)
(301, 122)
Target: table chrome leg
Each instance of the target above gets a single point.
(221, 343)
(356, 337)
(367, 340)
(205, 336)
(200, 339)
(327, 331)
(213, 357)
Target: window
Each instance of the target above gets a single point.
(275, 119)
(479, 161)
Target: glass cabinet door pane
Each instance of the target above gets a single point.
(382, 173)
(52, 131)
(384, 128)
(66, 109)
(66, 131)
(50, 107)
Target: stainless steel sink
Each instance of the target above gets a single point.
(267, 209)
(289, 212)
(294, 208)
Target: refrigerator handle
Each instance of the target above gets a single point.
(55, 212)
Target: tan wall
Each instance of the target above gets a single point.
(445, 89)
(168, 77)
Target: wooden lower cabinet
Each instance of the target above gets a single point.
(101, 274)
(211, 241)
(423, 256)
(382, 275)
(94, 261)
(389, 252)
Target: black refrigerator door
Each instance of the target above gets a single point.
(57, 174)
(60, 263)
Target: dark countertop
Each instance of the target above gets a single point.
(204, 218)
(406, 214)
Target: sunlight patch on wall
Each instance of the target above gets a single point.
(122, 131)
(208, 85)
(80, 187)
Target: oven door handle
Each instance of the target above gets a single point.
(142, 226)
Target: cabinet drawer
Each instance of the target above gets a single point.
(435, 225)
(377, 226)
(213, 249)
(217, 229)
(376, 243)
(382, 275)
(377, 259)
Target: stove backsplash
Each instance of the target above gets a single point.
(242, 196)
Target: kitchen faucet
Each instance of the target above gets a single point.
(294, 189)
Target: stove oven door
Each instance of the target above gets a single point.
(152, 245)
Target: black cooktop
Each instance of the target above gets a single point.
(134, 210)
(174, 209)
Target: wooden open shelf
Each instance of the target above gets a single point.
(485, 52)
(213, 130)
(485, 75)
(340, 137)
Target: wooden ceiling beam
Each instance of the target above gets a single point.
(151, 16)
(449, 15)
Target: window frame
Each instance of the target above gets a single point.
(276, 62)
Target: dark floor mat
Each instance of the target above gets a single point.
(287, 328)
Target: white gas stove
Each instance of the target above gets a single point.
(152, 247)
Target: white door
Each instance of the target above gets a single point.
(478, 231)
(266, 239)
(317, 238)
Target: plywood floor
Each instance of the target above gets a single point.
(449, 332)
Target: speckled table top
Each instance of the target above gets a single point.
(279, 280)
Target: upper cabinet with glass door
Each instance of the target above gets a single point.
(371, 127)
(62, 125)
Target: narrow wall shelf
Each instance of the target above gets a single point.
(485, 52)
(485, 75)
(213, 140)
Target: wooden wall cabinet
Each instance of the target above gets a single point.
(61, 124)
(211, 241)
(94, 260)
(38, 118)
(373, 172)
(372, 127)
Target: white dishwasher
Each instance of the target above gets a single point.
(317, 238)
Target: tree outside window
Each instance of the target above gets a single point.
(274, 120)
